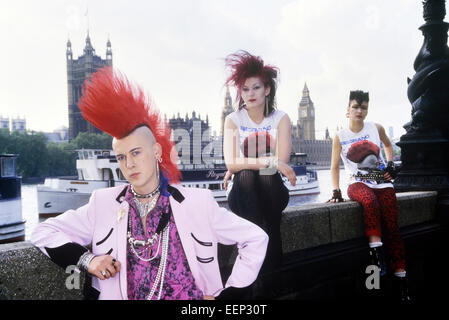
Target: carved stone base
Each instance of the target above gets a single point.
(425, 164)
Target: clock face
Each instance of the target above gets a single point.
(311, 112)
(303, 113)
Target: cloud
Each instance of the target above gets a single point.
(174, 50)
(353, 44)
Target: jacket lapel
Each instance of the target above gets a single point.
(122, 226)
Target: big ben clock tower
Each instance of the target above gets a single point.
(306, 116)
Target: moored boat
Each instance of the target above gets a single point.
(99, 169)
(12, 226)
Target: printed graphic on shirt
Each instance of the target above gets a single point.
(258, 144)
(250, 129)
(366, 155)
(343, 143)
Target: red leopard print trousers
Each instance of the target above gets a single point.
(380, 215)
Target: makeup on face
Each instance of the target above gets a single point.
(358, 111)
(253, 92)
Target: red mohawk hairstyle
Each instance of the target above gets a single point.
(112, 104)
(244, 65)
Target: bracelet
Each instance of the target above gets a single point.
(84, 260)
(336, 194)
(272, 163)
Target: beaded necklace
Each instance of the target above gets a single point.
(163, 231)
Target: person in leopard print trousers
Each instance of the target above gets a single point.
(369, 183)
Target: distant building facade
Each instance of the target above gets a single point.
(306, 116)
(19, 124)
(78, 70)
(194, 142)
(13, 124)
(227, 109)
(4, 123)
(303, 134)
(59, 135)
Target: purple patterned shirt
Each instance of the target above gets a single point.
(179, 283)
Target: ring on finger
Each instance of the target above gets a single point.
(104, 273)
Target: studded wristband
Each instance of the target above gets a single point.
(85, 259)
(336, 194)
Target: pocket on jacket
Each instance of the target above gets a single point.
(204, 250)
(103, 246)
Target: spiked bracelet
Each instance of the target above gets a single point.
(391, 169)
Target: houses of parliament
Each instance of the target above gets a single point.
(303, 132)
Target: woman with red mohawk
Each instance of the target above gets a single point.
(369, 183)
(150, 239)
(257, 145)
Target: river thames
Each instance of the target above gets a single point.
(30, 214)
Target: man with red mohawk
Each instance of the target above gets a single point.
(149, 239)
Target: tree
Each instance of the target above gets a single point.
(85, 140)
(62, 159)
(32, 159)
(39, 158)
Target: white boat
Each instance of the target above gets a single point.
(96, 169)
(12, 226)
(99, 169)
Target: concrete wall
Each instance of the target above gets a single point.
(25, 273)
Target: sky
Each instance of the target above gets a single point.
(175, 50)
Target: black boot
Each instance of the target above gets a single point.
(400, 289)
(377, 259)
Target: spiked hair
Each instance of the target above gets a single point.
(359, 96)
(112, 104)
(244, 65)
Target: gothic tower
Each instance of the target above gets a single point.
(78, 70)
(306, 116)
(227, 109)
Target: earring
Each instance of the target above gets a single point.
(157, 171)
(266, 105)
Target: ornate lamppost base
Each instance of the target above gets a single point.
(426, 165)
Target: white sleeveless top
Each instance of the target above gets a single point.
(348, 138)
(247, 126)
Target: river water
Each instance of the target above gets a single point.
(30, 214)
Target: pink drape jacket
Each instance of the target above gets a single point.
(201, 223)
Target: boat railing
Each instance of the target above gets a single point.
(86, 154)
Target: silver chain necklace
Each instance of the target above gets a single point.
(146, 244)
(145, 208)
(147, 195)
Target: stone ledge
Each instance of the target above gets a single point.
(317, 224)
(26, 273)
